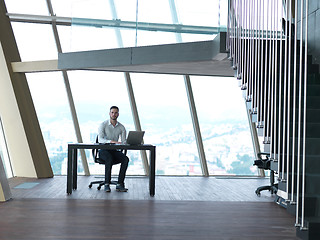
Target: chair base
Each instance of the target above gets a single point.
(101, 183)
(272, 188)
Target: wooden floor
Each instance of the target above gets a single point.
(183, 208)
(167, 188)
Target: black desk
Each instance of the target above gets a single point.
(73, 161)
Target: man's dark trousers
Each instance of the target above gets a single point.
(112, 157)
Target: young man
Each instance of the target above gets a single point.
(109, 132)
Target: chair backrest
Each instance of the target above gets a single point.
(95, 154)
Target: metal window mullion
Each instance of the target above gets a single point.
(69, 95)
(136, 119)
(196, 127)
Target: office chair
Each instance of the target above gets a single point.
(101, 161)
(264, 163)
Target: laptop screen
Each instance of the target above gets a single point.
(135, 137)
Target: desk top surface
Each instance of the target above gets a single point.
(110, 146)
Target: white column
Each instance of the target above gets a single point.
(18, 147)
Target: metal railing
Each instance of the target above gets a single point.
(263, 46)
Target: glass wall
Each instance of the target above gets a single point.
(52, 108)
(165, 116)
(39, 45)
(224, 125)
(162, 101)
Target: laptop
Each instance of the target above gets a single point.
(135, 137)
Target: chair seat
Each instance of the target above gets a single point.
(96, 158)
(99, 160)
(263, 164)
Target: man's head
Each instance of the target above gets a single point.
(114, 113)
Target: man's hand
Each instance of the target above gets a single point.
(115, 142)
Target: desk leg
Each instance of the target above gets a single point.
(75, 168)
(69, 171)
(152, 173)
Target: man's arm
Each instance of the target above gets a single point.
(123, 136)
(102, 137)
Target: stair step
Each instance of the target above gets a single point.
(312, 232)
(312, 163)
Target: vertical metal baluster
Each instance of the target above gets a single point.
(294, 102)
(299, 119)
(245, 72)
(266, 75)
(241, 38)
(252, 55)
(280, 166)
(228, 28)
(239, 41)
(255, 58)
(269, 76)
(238, 37)
(274, 81)
(232, 31)
(260, 125)
(285, 95)
(258, 59)
(235, 65)
(303, 227)
(249, 50)
(271, 79)
(239, 68)
(289, 97)
(276, 27)
(234, 35)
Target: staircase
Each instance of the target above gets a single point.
(288, 173)
(284, 107)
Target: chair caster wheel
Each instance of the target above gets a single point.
(90, 186)
(99, 188)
